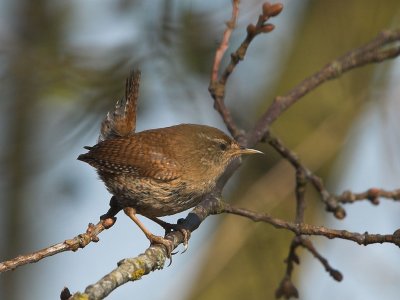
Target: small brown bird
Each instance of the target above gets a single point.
(158, 172)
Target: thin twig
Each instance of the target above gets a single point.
(268, 11)
(217, 90)
(286, 288)
(301, 183)
(306, 229)
(80, 241)
(328, 199)
(372, 194)
(306, 243)
(219, 53)
(331, 201)
(217, 86)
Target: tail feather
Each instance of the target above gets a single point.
(122, 121)
(84, 157)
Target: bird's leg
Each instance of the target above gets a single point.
(168, 227)
(154, 239)
(109, 217)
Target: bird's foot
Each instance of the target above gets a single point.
(168, 227)
(109, 217)
(168, 244)
(108, 221)
(186, 235)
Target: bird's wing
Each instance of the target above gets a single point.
(132, 156)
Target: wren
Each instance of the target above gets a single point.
(162, 171)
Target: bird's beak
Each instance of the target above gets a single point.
(249, 151)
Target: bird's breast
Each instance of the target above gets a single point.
(151, 197)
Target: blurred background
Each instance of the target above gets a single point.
(63, 65)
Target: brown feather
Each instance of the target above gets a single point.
(122, 121)
(143, 154)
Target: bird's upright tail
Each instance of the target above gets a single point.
(121, 122)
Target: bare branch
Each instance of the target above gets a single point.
(306, 243)
(269, 11)
(286, 288)
(384, 46)
(217, 91)
(372, 194)
(130, 269)
(328, 199)
(306, 229)
(152, 259)
(301, 183)
(80, 241)
(331, 201)
(217, 87)
(219, 53)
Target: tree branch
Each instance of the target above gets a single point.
(80, 241)
(286, 288)
(384, 46)
(217, 86)
(154, 257)
(219, 53)
(217, 90)
(306, 244)
(372, 194)
(306, 229)
(328, 199)
(331, 201)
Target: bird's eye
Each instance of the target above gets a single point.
(223, 146)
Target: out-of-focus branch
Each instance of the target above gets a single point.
(301, 183)
(217, 90)
(384, 46)
(286, 288)
(268, 11)
(372, 194)
(219, 53)
(217, 84)
(306, 243)
(292, 158)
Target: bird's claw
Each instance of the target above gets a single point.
(178, 227)
(168, 227)
(169, 245)
(186, 237)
